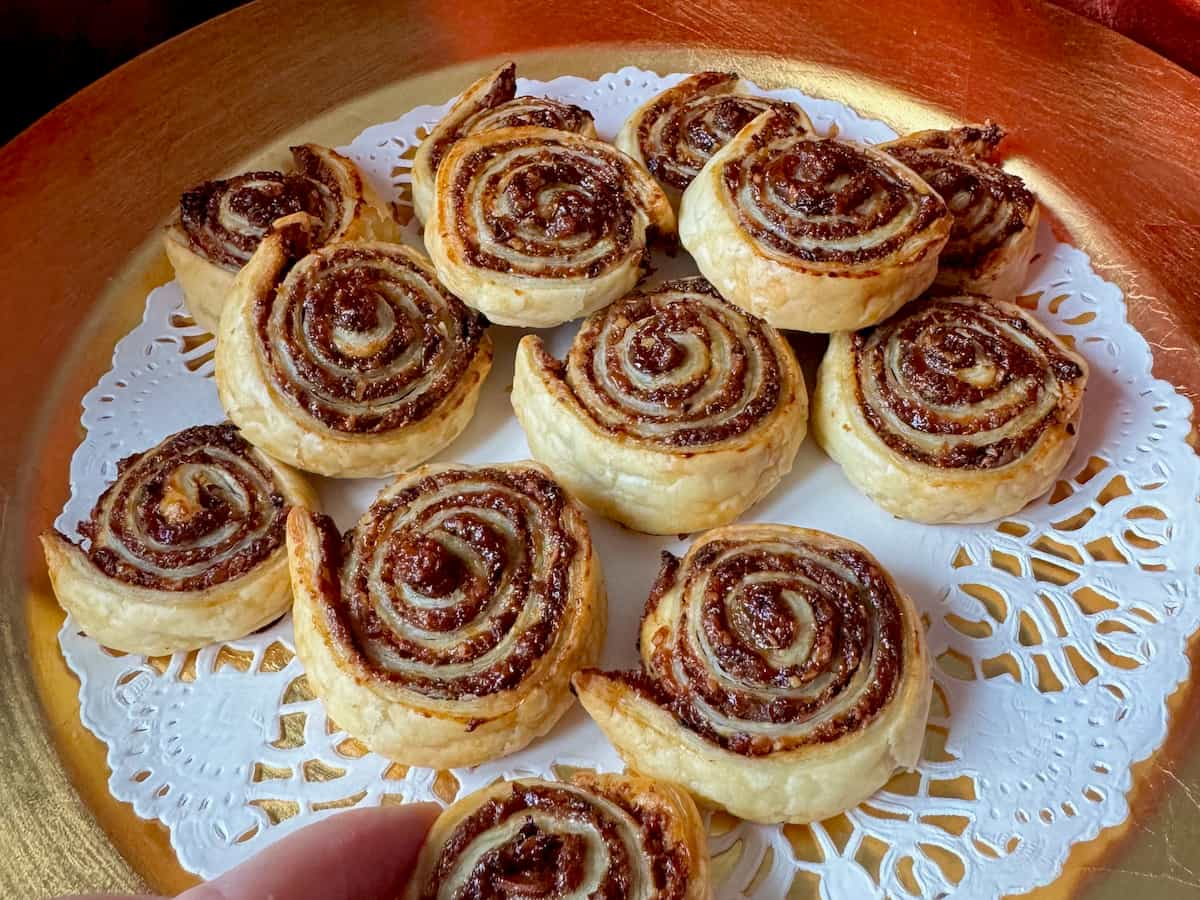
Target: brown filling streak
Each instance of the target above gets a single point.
(548, 864)
(687, 126)
(793, 189)
(148, 477)
(655, 352)
(952, 174)
(554, 196)
(310, 190)
(410, 558)
(343, 291)
(854, 625)
(935, 343)
(539, 111)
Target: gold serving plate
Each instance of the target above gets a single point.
(1104, 130)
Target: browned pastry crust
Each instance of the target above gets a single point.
(812, 233)
(675, 411)
(535, 227)
(612, 836)
(676, 132)
(995, 214)
(351, 360)
(784, 675)
(444, 628)
(185, 548)
(489, 103)
(958, 409)
(221, 223)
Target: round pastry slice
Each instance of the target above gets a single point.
(614, 836)
(349, 361)
(811, 233)
(489, 103)
(995, 214)
(673, 134)
(535, 227)
(675, 411)
(784, 675)
(220, 223)
(186, 546)
(959, 409)
(444, 628)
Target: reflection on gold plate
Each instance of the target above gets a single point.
(1103, 129)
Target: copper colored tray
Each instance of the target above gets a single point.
(1106, 131)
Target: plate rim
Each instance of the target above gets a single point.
(32, 458)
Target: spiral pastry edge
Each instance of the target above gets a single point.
(277, 402)
(960, 491)
(672, 840)
(996, 216)
(490, 102)
(905, 221)
(511, 204)
(415, 716)
(154, 621)
(719, 105)
(665, 734)
(652, 485)
(360, 215)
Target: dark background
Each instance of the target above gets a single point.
(49, 49)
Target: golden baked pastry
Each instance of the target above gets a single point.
(220, 223)
(784, 675)
(812, 233)
(444, 628)
(958, 409)
(675, 411)
(995, 214)
(350, 360)
(535, 227)
(613, 836)
(674, 133)
(186, 547)
(489, 103)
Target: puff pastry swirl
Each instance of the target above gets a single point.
(673, 134)
(784, 675)
(444, 628)
(535, 227)
(603, 836)
(675, 411)
(186, 547)
(959, 409)
(816, 234)
(489, 103)
(995, 214)
(220, 223)
(348, 361)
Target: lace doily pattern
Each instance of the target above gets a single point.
(1058, 633)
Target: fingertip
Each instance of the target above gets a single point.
(426, 809)
(401, 826)
(354, 855)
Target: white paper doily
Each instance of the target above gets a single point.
(1059, 632)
